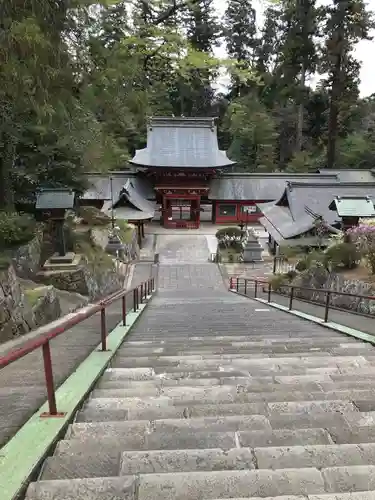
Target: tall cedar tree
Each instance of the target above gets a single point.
(348, 22)
(240, 37)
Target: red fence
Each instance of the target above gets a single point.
(245, 285)
(139, 293)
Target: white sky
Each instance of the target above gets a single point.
(364, 52)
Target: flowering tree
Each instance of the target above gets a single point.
(363, 236)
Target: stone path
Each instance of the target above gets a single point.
(215, 396)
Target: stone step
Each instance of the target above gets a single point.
(268, 368)
(246, 384)
(101, 464)
(303, 420)
(329, 339)
(362, 495)
(266, 402)
(246, 350)
(354, 483)
(255, 352)
(85, 465)
(300, 383)
(228, 423)
(189, 396)
(114, 488)
(191, 439)
(315, 456)
(198, 361)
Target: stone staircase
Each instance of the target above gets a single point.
(215, 396)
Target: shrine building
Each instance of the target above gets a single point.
(180, 159)
(182, 179)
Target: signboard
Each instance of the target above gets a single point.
(249, 209)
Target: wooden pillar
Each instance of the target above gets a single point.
(192, 210)
(198, 211)
(213, 213)
(166, 212)
(143, 229)
(139, 234)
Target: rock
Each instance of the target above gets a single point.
(85, 280)
(318, 278)
(26, 259)
(47, 308)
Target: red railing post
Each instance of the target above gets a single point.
(47, 360)
(124, 310)
(245, 286)
(145, 290)
(237, 284)
(230, 283)
(255, 289)
(141, 293)
(103, 328)
(135, 300)
(269, 292)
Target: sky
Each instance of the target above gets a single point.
(364, 52)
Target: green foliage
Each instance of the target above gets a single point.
(290, 275)
(15, 229)
(96, 257)
(254, 135)
(342, 255)
(78, 80)
(91, 216)
(126, 231)
(228, 232)
(302, 265)
(277, 281)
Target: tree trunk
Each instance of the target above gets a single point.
(300, 116)
(6, 166)
(333, 120)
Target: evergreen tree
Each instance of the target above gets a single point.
(347, 22)
(298, 55)
(201, 24)
(240, 37)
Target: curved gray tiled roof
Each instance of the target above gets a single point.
(289, 217)
(182, 142)
(318, 197)
(262, 187)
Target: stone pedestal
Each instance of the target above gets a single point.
(252, 251)
(62, 262)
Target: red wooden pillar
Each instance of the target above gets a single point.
(198, 212)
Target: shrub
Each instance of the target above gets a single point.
(290, 252)
(228, 232)
(15, 229)
(344, 255)
(277, 281)
(91, 216)
(302, 265)
(363, 236)
(290, 275)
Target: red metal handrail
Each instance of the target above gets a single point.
(140, 293)
(236, 282)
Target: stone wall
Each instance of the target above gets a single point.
(319, 278)
(26, 259)
(17, 315)
(94, 283)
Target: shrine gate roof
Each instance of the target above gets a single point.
(182, 143)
